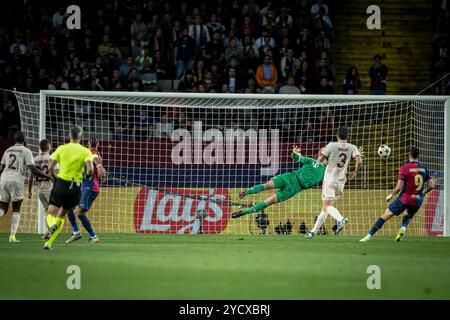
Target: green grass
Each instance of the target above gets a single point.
(130, 266)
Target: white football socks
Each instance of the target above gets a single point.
(15, 220)
(319, 222)
(332, 211)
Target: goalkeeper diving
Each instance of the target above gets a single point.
(288, 184)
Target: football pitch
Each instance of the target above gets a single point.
(131, 266)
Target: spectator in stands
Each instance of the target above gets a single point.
(19, 44)
(290, 87)
(325, 19)
(247, 44)
(324, 87)
(143, 126)
(351, 83)
(58, 17)
(158, 43)
(234, 83)
(126, 67)
(188, 82)
(262, 221)
(324, 126)
(215, 25)
(287, 65)
(378, 73)
(121, 32)
(232, 35)
(288, 227)
(199, 71)
(116, 79)
(148, 72)
(248, 27)
(143, 58)
(11, 119)
(315, 8)
(103, 47)
(210, 83)
(184, 53)
(233, 51)
(113, 58)
(265, 38)
(214, 52)
(102, 73)
(160, 66)
(93, 82)
(87, 52)
(304, 78)
(163, 128)
(267, 74)
(199, 32)
(139, 35)
(284, 19)
(133, 76)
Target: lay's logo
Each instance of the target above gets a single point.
(158, 212)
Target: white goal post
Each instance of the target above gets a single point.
(175, 147)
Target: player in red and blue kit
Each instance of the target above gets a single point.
(414, 182)
(89, 192)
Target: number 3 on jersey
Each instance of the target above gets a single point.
(343, 158)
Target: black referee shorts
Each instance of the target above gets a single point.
(65, 194)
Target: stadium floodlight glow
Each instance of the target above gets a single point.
(161, 171)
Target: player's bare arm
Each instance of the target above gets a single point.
(358, 163)
(396, 190)
(321, 158)
(431, 184)
(30, 185)
(89, 168)
(52, 168)
(34, 170)
(101, 170)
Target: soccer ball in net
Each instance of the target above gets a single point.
(384, 151)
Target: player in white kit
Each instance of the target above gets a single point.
(42, 161)
(337, 155)
(15, 162)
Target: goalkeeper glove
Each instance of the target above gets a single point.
(389, 197)
(296, 150)
(361, 152)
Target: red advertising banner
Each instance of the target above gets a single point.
(158, 212)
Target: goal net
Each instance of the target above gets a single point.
(176, 162)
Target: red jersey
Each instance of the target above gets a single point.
(415, 175)
(94, 182)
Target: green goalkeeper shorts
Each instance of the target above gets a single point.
(287, 184)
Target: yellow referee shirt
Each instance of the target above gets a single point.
(71, 158)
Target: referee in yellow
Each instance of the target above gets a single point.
(72, 159)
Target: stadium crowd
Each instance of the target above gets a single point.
(229, 46)
(440, 63)
(208, 46)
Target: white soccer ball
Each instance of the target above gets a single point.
(384, 151)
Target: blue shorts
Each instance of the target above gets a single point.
(397, 207)
(87, 198)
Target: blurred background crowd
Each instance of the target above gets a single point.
(250, 46)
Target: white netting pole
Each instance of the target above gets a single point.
(447, 168)
(41, 225)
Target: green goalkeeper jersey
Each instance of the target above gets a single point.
(311, 173)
